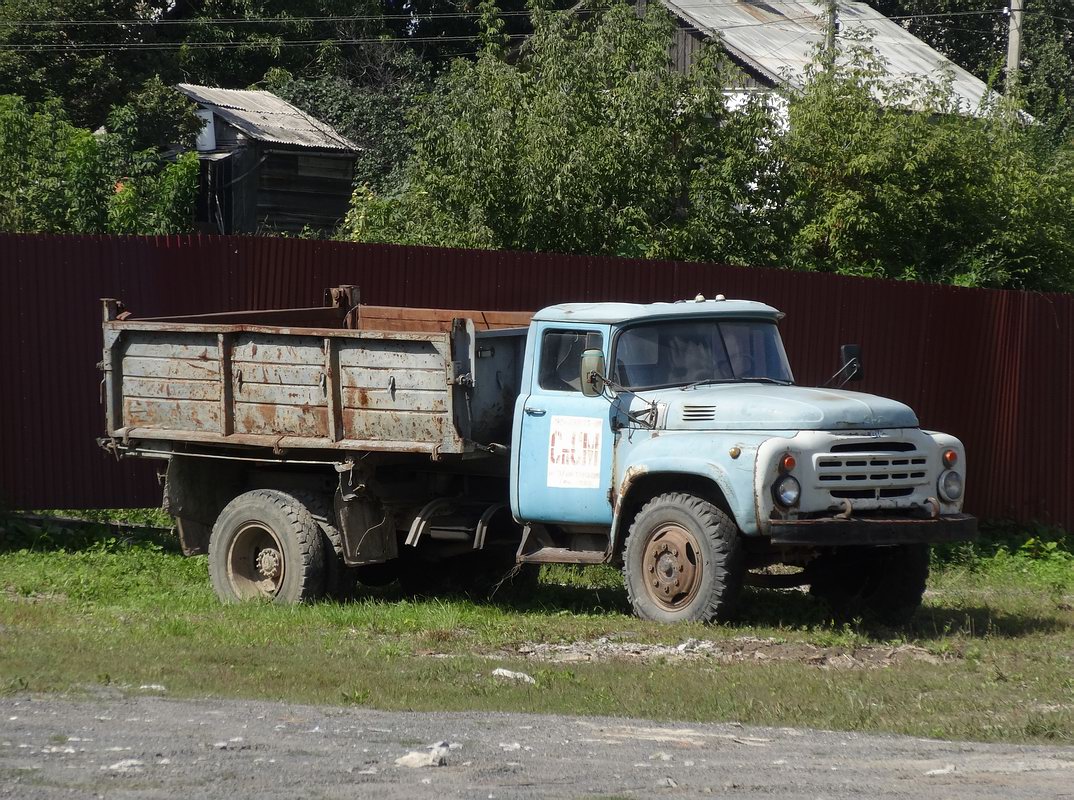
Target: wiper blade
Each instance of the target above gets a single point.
(756, 379)
(707, 382)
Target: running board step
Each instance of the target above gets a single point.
(538, 547)
(561, 555)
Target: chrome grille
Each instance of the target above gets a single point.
(871, 470)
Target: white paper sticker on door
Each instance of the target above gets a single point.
(574, 453)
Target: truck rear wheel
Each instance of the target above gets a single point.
(266, 545)
(340, 581)
(683, 561)
(886, 583)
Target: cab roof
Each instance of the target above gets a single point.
(611, 313)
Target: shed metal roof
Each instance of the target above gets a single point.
(610, 313)
(778, 38)
(267, 118)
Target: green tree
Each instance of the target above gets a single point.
(585, 143)
(300, 36)
(366, 103)
(58, 178)
(909, 190)
(52, 177)
(588, 143)
(91, 54)
(48, 51)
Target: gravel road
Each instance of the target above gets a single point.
(155, 747)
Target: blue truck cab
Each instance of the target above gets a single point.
(672, 439)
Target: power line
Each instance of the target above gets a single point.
(422, 17)
(42, 23)
(325, 18)
(140, 46)
(951, 14)
(94, 46)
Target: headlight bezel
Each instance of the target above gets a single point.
(783, 497)
(945, 491)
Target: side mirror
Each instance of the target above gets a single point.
(850, 358)
(592, 372)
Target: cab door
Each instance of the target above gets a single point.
(563, 465)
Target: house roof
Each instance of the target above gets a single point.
(267, 118)
(776, 39)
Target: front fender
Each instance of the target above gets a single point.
(699, 455)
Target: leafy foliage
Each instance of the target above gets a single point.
(335, 32)
(586, 144)
(56, 177)
(228, 43)
(578, 139)
(39, 62)
(365, 104)
(589, 143)
(920, 194)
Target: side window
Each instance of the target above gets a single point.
(561, 354)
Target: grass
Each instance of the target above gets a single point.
(82, 610)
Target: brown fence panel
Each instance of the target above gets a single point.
(992, 367)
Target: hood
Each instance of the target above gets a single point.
(762, 406)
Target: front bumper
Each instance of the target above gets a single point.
(833, 532)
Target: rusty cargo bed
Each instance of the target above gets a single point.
(339, 377)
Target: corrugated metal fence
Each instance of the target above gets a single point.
(994, 368)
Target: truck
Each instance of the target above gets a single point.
(310, 450)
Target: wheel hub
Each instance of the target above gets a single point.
(673, 568)
(256, 562)
(268, 563)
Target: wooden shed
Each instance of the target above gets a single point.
(267, 166)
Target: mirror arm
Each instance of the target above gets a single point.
(646, 418)
(852, 363)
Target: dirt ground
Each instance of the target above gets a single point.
(737, 650)
(115, 746)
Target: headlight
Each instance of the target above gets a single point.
(950, 485)
(787, 491)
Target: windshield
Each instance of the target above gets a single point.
(683, 352)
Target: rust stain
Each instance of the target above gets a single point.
(632, 474)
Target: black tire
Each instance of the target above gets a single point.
(340, 581)
(266, 545)
(882, 583)
(682, 561)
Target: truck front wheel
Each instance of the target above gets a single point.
(266, 545)
(682, 561)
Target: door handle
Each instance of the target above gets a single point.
(536, 412)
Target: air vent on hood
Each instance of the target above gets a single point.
(698, 413)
